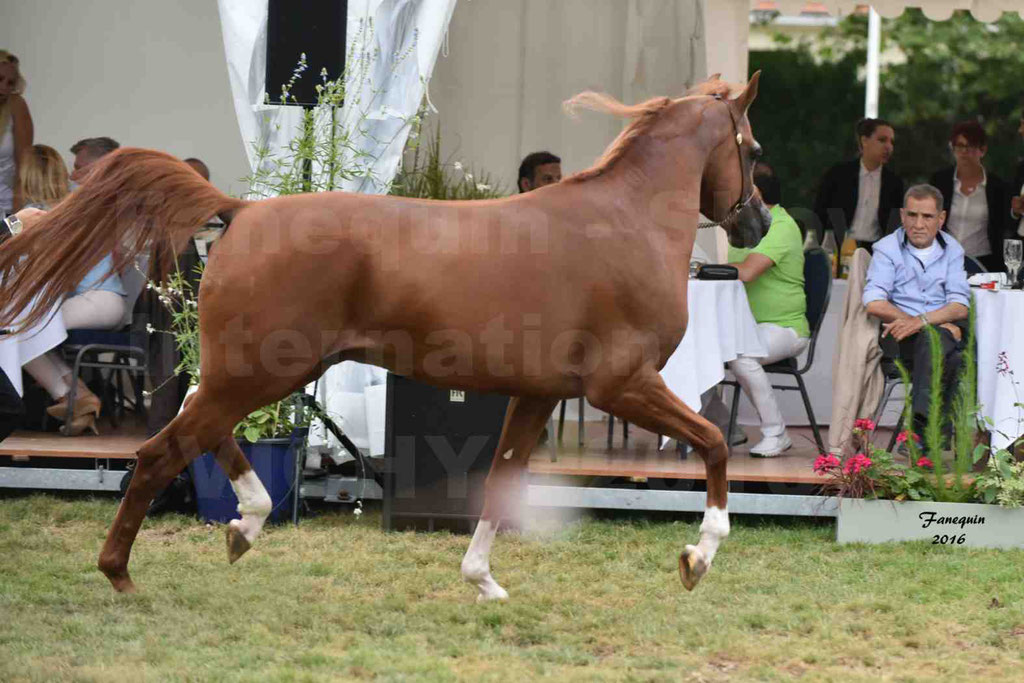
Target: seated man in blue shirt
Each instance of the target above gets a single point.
(917, 278)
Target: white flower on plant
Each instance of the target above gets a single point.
(482, 187)
(457, 165)
(469, 177)
(150, 329)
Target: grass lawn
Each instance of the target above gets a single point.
(338, 599)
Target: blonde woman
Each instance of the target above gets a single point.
(44, 178)
(98, 302)
(15, 131)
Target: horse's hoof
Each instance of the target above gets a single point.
(122, 583)
(495, 594)
(237, 543)
(692, 567)
(117, 575)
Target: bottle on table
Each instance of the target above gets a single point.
(828, 245)
(846, 257)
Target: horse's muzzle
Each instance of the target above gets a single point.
(751, 224)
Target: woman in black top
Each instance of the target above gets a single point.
(976, 200)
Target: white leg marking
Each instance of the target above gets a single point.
(253, 504)
(476, 565)
(713, 529)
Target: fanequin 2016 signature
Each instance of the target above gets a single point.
(930, 518)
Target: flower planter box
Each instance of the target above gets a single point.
(964, 524)
(273, 460)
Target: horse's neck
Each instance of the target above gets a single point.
(662, 183)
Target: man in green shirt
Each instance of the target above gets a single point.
(773, 273)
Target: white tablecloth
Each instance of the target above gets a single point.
(721, 328)
(1000, 332)
(18, 349)
(819, 378)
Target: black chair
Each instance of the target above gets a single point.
(125, 346)
(973, 266)
(893, 379)
(127, 351)
(818, 290)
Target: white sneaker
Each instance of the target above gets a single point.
(771, 446)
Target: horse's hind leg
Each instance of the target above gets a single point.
(202, 425)
(524, 421)
(645, 401)
(253, 500)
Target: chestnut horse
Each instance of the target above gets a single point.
(577, 288)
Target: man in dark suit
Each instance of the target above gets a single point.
(862, 197)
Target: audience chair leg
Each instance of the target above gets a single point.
(810, 413)
(611, 429)
(551, 439)
(733, 410)
(886, 393)
(561, 421)
(895, 433)
(580, 422)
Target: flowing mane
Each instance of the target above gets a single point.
(643, 116)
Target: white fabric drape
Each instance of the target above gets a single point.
(394, 44)
(400, 48)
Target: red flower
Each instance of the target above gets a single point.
(902, 436)
(825, 463)
(864, 424)
(925, 462)
(856, 464)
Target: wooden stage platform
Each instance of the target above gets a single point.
(118, 445)
(633, 474)
(639, 457)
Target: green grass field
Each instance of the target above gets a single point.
(338, 599)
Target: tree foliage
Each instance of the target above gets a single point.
(947, 71)
(953, 70)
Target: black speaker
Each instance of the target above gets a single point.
(316, 27)
(438, 447)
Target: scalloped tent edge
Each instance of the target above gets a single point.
(937, 10)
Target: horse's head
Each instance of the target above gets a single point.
(727, 193)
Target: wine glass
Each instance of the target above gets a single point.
(1012, 252)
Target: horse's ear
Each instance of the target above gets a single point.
(749, 94)
(714, 77)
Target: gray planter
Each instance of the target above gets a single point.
(956, 524)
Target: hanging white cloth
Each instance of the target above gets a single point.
(394, 46)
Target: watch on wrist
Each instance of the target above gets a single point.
(14, 225)
(924, 318)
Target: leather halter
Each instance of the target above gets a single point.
(741, 203)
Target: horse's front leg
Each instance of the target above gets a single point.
(524, 421)
(645, 401)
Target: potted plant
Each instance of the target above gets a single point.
(930, 497)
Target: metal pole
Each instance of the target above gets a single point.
(874, 45)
